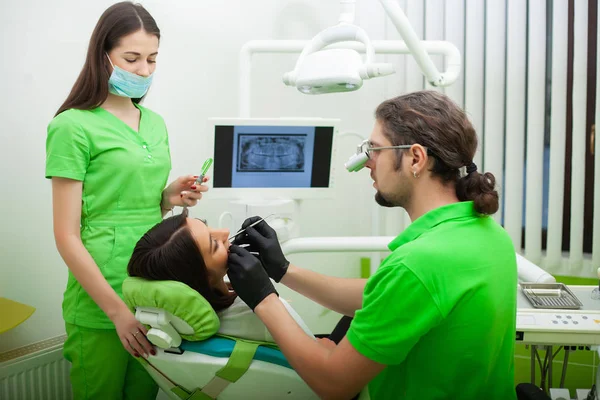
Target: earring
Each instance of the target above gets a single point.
(415, 174)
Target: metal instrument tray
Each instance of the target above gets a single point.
(550, 296)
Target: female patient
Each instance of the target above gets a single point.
(186, 250)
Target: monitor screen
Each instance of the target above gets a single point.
(272, 154)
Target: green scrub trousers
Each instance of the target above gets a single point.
(120, 376)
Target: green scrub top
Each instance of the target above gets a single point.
(440, 311)
(124, 173)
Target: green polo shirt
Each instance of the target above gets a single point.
(440, 311)
(123, 174)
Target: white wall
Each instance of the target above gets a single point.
(43, 48)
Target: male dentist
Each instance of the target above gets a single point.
(437, 319)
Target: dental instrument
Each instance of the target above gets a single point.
(205, 168)
(200, 177)
(250, 226)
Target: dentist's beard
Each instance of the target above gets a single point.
(382, 201)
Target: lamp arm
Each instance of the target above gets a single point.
(413, 43)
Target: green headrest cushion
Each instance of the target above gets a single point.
(176, 298)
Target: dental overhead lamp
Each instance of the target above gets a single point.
(335, 70)
(322, 70)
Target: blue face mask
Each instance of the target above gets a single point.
(126, 84)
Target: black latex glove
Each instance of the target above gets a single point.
(248, 277)
(262, 239)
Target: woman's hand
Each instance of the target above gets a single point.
(183, 192)
(132, 334)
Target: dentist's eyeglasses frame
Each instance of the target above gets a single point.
(363, 154)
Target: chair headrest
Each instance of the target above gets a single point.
(178, 299)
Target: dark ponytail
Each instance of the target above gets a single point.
(480, 188)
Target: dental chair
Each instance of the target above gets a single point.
(193, 361)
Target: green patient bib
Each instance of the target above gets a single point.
(123, 174)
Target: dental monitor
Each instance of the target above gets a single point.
(272, 158)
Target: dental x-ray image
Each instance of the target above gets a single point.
(271, 153)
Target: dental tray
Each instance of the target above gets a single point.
(550, 296)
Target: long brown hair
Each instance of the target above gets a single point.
(168, 251)
(433, 120)
(119, 20)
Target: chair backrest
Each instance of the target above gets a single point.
(172, 309)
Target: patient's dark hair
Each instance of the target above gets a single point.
(168, 251)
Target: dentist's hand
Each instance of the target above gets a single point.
(263, 240)
(248, 277)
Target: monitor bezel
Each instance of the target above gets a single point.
(272, 193)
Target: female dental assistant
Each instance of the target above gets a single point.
(109, 161)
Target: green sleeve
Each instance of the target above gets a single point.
(67, 149)
(397, 310)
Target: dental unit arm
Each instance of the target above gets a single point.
(319, 71)
(527, 271)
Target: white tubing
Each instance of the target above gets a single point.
(527, 271)
(336, 244)
(402, 24)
